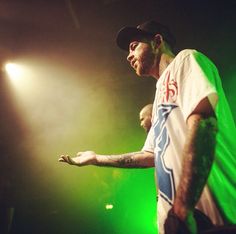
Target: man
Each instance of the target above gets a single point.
(145, 117)
(191, 137)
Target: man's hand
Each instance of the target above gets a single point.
(176, 225)
(82, 159)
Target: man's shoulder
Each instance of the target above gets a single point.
(182, 57)
(185, 53)
(191, 56)
(195, 57)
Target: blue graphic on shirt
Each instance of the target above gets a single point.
(164, 174)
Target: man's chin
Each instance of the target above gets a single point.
(141, 74)
(146, 130)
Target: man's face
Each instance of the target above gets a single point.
(145, 120)
(141, 57)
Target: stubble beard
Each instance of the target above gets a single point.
(146, 65)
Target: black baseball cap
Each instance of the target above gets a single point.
(146, 30)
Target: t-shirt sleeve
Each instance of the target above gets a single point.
(196, 80)
(149, 143)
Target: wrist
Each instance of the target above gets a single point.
(182, 211)
(95, 160)
(184, 218)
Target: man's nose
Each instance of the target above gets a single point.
(130, 56)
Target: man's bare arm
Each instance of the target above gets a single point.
(198, 157)
(142, 159)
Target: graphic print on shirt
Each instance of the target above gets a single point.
(168, 90)
(164, 174)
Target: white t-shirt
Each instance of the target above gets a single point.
(188, 79)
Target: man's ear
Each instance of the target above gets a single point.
(157, 41)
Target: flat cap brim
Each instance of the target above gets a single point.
(127, 34)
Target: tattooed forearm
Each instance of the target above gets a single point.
(129, 160)
(198, 157)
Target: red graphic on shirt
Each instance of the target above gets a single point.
(168, 90)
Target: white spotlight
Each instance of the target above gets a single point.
(13, 70)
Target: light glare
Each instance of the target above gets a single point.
(109, 206)
(13, 70)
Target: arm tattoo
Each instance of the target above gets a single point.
(198, 157)
(129, 160)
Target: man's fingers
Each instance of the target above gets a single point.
(67, 159)
(70, 160)
(62, 158)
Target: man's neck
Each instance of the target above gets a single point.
(164, 61)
